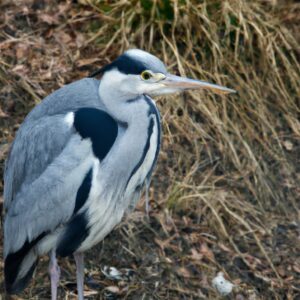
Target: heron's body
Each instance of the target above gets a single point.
(85, 215)
(79, 163)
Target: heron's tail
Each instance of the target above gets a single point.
(19, 267)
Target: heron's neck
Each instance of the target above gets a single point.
(125, 108)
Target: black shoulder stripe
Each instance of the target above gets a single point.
(76, 232)
(99, 126)
(13, 263)
(83, 191)
(145, 150)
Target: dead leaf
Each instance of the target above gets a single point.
(87, 61)
(20, 69)
(288, 145)
(80, 40)
(48, 19)
(4, 150)
(2, 115)
(113, 289)
(296, 268)
(22, 51)
(90, 293)
(184, 272)
(205, 251)
(63, 37)
(196, 255)
(224, 248)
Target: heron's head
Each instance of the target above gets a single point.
(137, 72)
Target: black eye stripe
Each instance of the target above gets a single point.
(127, 65)
(133, 64)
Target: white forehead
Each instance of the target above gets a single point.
(138, 53)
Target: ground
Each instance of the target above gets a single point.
(225, 194)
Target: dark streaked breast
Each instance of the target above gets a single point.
(154, 111)
(154, 120)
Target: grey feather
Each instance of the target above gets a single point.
(27, 159)
(48, 201)
(41, 156)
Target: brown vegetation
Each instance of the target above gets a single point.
(225, 195)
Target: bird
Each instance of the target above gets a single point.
(79, 163)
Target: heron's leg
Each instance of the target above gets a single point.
(79, 259)
(147, 186)
(54, 272)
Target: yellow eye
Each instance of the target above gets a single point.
(146, 75)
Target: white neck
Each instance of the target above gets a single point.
(119, 99)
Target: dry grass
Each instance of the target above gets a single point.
(226, 191)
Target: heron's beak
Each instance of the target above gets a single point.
(178, 83)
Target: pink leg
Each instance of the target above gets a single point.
(79, 259)
(54, 272)
(147, 185)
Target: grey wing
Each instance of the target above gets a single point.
(36, 145)
(43, 135)
(42, 175)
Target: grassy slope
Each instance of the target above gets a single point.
(225, 195)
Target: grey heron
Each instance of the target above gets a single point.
(79, 162)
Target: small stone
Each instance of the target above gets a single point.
(288, 145)
(223, 286)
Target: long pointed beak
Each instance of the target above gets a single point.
(182, 83)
